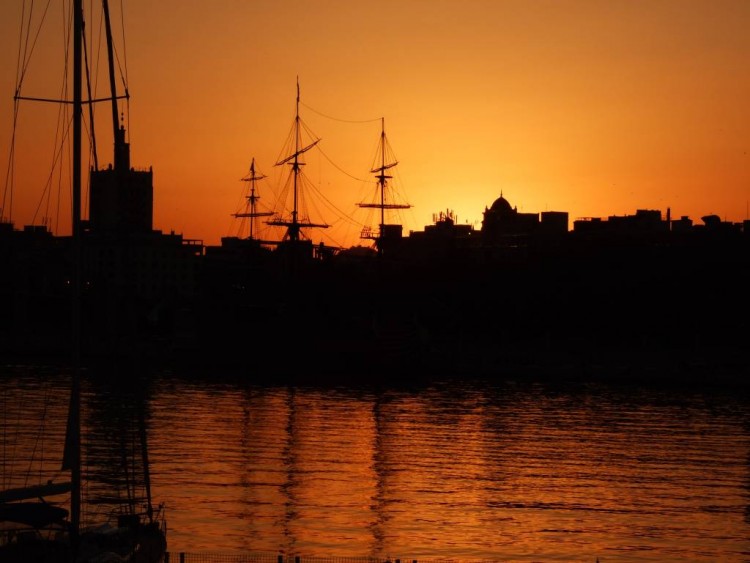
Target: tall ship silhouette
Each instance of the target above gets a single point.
(295, 246)
(252, 212)
(384, 200)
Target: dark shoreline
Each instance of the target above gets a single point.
(708, 368)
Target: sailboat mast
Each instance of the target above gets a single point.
(382, 176)
(144, 458)
(294, 231)
(253, 198)
(75, 396)
(112, 86)
(294, 226)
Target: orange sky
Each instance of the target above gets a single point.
(593, 107)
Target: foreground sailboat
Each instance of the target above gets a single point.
(44, 523)
(35, 525)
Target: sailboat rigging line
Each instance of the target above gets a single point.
(59, 199)
(124, 51)
(342, 215)
(304, 126)
(99, 43)
(20, 42)
(332, 241)
(8, 473)
(283, 196)
(119, 67)
(10, 171)
(129, 482)
(22, 63)
(291, 145)
(27, 52)
(91, 106)
(38, 439)
(45, 217)
(239, 207)
(112, 50)
(56, 158)
(336, 118)
(337, 167)
(312, 203)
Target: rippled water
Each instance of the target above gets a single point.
(464, 470)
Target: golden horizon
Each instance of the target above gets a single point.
(592, 109)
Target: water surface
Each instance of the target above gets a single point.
(515, 471)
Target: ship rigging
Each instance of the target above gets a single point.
(294, 223)
(385, 197)
(251, 208)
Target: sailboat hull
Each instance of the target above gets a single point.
(34, 549)
(34, 514)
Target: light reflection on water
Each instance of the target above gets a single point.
(511, 471)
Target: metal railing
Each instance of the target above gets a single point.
(218, 557)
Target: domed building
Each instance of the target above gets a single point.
(501, 220)
(501, 207)
(502, 223)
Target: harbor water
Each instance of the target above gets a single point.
(510, 470)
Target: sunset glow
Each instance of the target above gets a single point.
(594, 108)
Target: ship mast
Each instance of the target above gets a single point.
(294, 226)
(382, 177)
(252, 200)
(73, 441)
(121, 151)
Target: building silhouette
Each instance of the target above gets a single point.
(522, 290)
